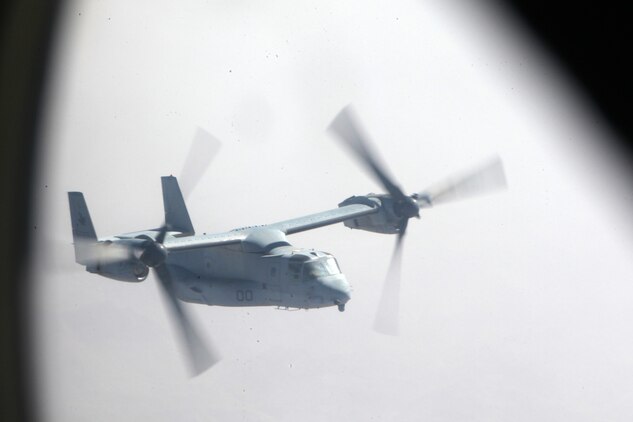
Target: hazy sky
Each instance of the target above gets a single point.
(515, 306)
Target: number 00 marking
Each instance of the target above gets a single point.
(244, 295)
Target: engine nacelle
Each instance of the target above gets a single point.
(131, 270)
(383, 221)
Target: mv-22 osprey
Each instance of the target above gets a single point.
(257, 266)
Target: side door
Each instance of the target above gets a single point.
(271, 283)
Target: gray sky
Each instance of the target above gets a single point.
(514, 306)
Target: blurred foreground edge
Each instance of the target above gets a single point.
(26, 39)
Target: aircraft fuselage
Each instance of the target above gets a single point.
(285, 276)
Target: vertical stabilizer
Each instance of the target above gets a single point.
(84, 235)
(176, 214)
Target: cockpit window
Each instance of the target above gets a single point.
(320, 268)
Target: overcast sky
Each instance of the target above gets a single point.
(515, 306)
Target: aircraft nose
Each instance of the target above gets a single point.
(338, 289)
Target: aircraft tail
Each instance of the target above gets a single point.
(84, 235)
(176, 214)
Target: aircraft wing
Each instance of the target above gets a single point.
(204, 241)
(325, 218)
(295, 225)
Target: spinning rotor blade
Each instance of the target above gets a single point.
(201, 358)
(482, 180)
(202, 151)
(155, 256)
(345, 126)
(105, 252)
(203, 148)
(160, 237)
(387, 316)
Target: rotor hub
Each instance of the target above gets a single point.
(154, 254)
(406, 207)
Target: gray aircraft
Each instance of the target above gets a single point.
(257, 265)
